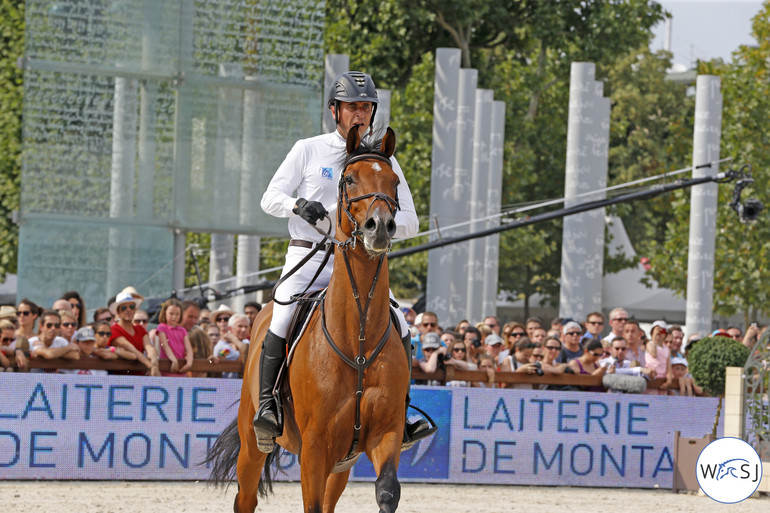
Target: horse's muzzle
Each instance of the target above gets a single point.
(378, 231)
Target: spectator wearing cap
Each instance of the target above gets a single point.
(657, 355)
(618, 318)
(493, 343)
(687, 386)
(570, 338)
(130, 337)
(48, 344)
(433, 353)
(86, 343)
(594, 326)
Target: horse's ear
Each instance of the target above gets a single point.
(354, 140)
(388, 145)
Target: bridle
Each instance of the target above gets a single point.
(391, 202)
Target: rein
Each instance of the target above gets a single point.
(361, 362)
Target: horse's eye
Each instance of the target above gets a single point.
(349, 180)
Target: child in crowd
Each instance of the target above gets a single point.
(174, 343)
(687, 386)
(86, 342)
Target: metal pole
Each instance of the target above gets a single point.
(703, 206)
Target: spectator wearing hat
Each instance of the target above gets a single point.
(493, 345)
(125, 335)
(27, 312)
(687, 386)
(48, 344)
(618, 318)
(570, 338)
(221, 318)
(433, 353)
(86, 344)
(657, 355)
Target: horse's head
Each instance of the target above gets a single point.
(368, 193)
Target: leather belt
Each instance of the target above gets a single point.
(308, 245)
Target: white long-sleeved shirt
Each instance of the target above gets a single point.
(312, 169)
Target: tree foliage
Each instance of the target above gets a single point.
(11, 49)
(742, 259)
(710, 357)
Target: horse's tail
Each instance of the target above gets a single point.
(266, 483)
(224, 456)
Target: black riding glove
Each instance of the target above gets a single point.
(310, 211)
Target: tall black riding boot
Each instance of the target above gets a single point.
(266, 420)
(419, 429)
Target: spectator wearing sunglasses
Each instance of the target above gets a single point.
(459, 360)
(618, 319)
(594, 325)
(102, 347)
(77, 306)
(10, 346)
(134, 338)
(570, 338)
(48, 344)
(493, 323)
(426, 323)
(27, 313)
(69, 325)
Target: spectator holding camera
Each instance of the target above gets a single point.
(472, 340)
(521, 361)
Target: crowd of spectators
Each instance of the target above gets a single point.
(184, 332)
(588, 347)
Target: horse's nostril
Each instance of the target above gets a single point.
(391, 226)
(370, 225)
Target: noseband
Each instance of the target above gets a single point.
(391, 202)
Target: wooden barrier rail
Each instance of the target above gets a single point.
(442, 376)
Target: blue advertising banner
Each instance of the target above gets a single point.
(140, 428)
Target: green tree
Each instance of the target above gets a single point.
(742, 259)
(11, 49)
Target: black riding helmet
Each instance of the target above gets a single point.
(352, 86)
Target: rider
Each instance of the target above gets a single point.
(312, 169)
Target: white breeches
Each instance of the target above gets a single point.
(297, 282)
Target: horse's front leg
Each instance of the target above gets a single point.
(314, 472)
(385, 458)
(335, 485)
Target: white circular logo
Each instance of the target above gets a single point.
(728, 470)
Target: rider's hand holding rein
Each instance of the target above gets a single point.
(310, 211)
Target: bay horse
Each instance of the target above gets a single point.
(328, 410)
